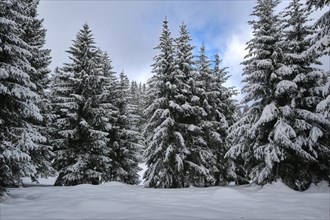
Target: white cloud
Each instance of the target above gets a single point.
(233, 56)
(129, 30)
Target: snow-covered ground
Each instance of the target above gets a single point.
(119, 201)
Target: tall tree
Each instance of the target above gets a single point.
(216, 100)
(213, 123)
(200, 160)
(321, 46)
(34, 35)
(82, 152)
(177, 154)
(137, 122)
(19, 113)
(166, 150)
(253, 154)
(298, 89)
(124, 138)
(283, 132)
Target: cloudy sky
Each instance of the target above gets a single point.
(129, 30)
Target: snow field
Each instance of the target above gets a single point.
(119, 201)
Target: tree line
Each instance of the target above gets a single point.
(87, 125)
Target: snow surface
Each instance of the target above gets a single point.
(119, 201)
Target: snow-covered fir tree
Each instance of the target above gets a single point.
(134, 100)
(280, 135)
(141, 104)
(20, 115)
(219, 108)
(124, 139)
(321, 46)
(253, 155)
(166, 150)
(34, 35)
(82, 153)
(201, 159)
(299, 93)
(229, 105)
(176, 152)
(136, 106)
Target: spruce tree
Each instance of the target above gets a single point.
(136, 105)
(34, 35)
(216, 100)
(166, 149)
(283, 132)
(176, 152)
(253, 155)
(213, 123)
(321, 46)
(82, 135)
(229, 105)
(201, 159)
(20, 115)
(298, 90)
(124, 139)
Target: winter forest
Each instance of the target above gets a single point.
(84, 123)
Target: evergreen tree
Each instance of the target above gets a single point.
(124, 141)
(281, 131)
(201, 159)
(220, 109)
(142, 104)
(321, 46)
(229, 105)
(252, 154)
(19, 113)
(82, 152)
(166, 150)
(136, 104)
(134, 97)
(299, 93)
(213, 123)
(176, 151)
(34, 35)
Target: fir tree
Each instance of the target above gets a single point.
(213, 123)
(136, 105)
(82, 152)
(19, 113)
(124, 141)
(219, 108)
(166, 149)
(176, 152)
(251, 150)
(298, 92)
(321, 46)
(281, 133)
(34, 35)
(229, 105)
(201, 159)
